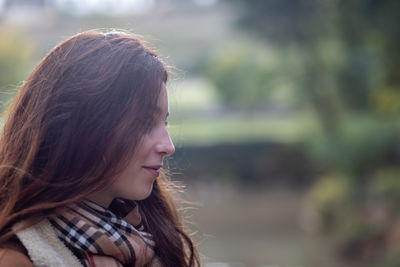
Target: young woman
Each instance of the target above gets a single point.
(81, 153)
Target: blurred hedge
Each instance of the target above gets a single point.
(248, 164)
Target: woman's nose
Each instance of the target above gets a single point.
(166, 146)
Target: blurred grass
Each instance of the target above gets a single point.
(231, 128)
(198, 119)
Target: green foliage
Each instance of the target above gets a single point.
(246, 77)
(359, 214)
(283, 21)
(385, 185)
(327, 195)
(15, 56)
(366, 229)
(360, 143)
(15, 53)
(240, 78)
(355, 92)
(386, 102)
(373, 25)
(329, 191)
(365, 34)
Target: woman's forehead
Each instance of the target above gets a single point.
(162, 103)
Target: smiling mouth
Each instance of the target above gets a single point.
(154, 170)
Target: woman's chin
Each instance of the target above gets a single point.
(145, 193)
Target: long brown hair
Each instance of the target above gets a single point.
(73, 126)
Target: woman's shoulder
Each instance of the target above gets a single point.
(13, 253)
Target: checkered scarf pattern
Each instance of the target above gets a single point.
(101, 238)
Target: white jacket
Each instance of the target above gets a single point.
(45, 249)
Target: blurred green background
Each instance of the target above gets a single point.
(284, 113)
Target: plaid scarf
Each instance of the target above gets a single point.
(101, 238)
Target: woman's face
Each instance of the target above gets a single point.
(136, 181)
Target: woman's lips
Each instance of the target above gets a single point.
(154, 170)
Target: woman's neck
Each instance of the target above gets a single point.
(100, 199)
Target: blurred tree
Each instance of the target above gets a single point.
(350, 69)
(350, 58)
(243, 77)
(302, 25)
(364, 56)
(371, 32)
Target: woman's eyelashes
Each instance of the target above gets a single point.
(161, 123)
(166, 119)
